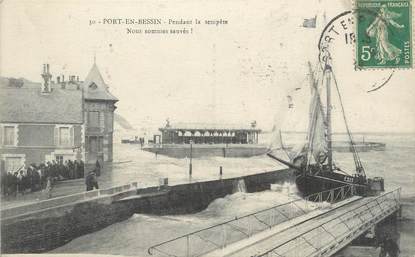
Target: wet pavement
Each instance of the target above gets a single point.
(131, 164)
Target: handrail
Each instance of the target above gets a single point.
(351, 189)
(220, 224)
(6, 212)
(334, 218)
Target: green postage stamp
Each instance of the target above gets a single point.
(384, 34)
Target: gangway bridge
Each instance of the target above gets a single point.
(319, 225)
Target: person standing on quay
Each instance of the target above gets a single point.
(91, 181)
(81, 169)
(98, 168)
(48, 189)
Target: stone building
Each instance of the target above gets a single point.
(55, 120)
(99, 107)
(40, 122)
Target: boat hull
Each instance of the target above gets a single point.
(308, 184)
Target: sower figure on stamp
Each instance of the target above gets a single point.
(385, 50)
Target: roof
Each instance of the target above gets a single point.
(208, 126)
(23, 102)
(95, 87)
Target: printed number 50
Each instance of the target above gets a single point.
(365, 56)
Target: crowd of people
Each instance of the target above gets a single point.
(39, 177)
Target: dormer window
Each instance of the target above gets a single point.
(93, 86)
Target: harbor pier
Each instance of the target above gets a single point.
(45, 225)
(291, 229)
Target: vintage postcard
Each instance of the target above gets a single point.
(207, 128)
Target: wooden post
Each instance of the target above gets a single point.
(191, 155)
(187, 246)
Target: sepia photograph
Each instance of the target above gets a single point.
(196, 128)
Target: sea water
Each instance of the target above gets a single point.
(133, 236)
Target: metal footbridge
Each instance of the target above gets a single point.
(319, 225)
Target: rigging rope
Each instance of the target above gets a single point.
(356, 157)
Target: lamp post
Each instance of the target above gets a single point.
(191, 153)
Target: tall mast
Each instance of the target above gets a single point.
(328, 87)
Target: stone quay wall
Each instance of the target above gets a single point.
(45, 226)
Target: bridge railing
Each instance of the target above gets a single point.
(220, 235)
(333, 195)
(340, 229)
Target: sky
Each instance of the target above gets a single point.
(233, 73)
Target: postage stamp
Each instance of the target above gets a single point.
(384, 34)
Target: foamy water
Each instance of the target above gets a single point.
(135, 235)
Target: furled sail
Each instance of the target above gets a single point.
(318, 141)
(317, 129)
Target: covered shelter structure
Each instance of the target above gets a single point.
(204, 133)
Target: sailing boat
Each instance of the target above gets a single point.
(313, 166)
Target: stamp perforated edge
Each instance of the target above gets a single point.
(412, 32)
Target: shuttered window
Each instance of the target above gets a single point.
(93, 119)
(64, 136)
(13, 164)
(101, 120)
(100, 144)
(9, 135)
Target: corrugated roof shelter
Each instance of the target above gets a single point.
(209, 133)
(23, 102)
(209, 126)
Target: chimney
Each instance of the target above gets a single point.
(46, 86)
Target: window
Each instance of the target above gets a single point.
(93, 148)
(64, 136)
(93, 86)
(59, 159)
(93, 119)
(9, 135)
(101, 120)
(13, 163)
(100, 144)
(96, 144)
